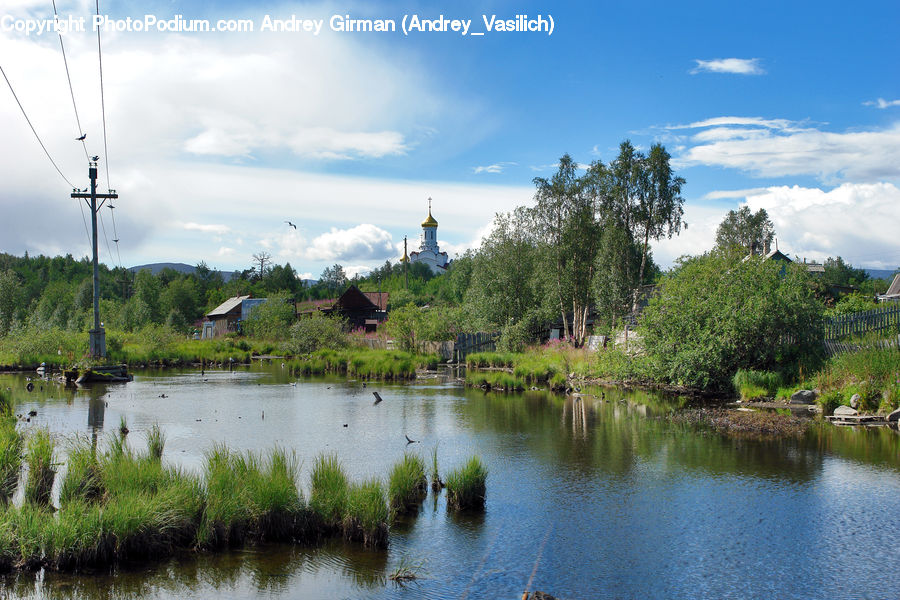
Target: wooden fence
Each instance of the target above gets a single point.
(880, 319)
(834, 347)
(466, 343)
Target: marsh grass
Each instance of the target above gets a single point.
(436, 483)
(466, 486)
(407, 484)
(752, 384)
(328, 491)
(147, 511)
(405, 571)
(39, 458)
(83, 480)
(494, 380)
(156, 441)
(366, 515)
(10, 459)
(365, 363)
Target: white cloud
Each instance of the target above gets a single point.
(778, 148)
(722, 194)
(851, 220)
(207, 228)
(354, 270)
(494, 168)
(812, 223)
(738, 66)
(882, 103)
(363, 242)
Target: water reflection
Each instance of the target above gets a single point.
(629, 504)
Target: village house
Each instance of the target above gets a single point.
(228, 316)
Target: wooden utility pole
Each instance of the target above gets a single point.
(97, 334)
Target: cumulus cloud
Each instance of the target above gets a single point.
(778, 148)
(882, 103)
(737, 66)
(812, 223)
(363, 242)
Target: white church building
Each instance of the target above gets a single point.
(429, 251)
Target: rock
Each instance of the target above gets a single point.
(540, 596)
(854, 401)
(803, 397)
(894, 417)
(845, 410)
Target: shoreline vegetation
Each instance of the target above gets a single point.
(120, 504)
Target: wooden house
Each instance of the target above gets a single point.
(224, 318)
(361, 309)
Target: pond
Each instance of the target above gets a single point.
(590, 498)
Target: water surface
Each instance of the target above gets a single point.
(590, 498)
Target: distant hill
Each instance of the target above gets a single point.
(155, 268)
(881, 273)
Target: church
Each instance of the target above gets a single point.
(429, 252)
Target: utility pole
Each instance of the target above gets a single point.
(97, 334)
(405, 263)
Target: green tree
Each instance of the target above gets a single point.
(717, 313)
(503, 287)
(272, 319)
(9, 299)
(745, 231)
(334, 279)
(564, 224)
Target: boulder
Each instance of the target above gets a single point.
(894, 417)
(540, 596)
(854, 400)
(803, 397)
(845, 410)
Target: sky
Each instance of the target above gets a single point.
(215, 139)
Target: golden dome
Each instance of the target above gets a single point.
(429, 222)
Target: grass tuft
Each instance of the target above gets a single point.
(407, 484)
(328, 491)
(366, 515)
(39, 458)
(466, 486)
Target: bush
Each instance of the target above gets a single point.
(316, 332)
(829, 401)
(716, 314)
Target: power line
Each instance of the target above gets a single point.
(22, 108)
(103, 102)
(71, 91)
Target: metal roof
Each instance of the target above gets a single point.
(227, 306)
(894, 290)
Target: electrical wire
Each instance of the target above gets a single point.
(34, 131)
(62, 47)
(103, 102)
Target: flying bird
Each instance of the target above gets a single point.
(291, 224)
(81, 139)
(409, 441)
(95, 158)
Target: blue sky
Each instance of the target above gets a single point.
(216, 138)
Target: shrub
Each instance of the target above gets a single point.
(466, 486)
(316, 332)
(829, 401)
(716, 314)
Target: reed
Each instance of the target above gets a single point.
(279, 509)
(407, 484)
(436, 483)
(466, 486)
(328, 491)
(227, 512)
(10, 459)
(39, 458)
(494, 380)
(366, 515)
(83, 481)
(753, 384)
(156, 441)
